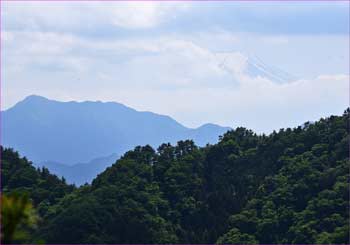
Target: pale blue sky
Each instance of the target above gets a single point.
(262, 65)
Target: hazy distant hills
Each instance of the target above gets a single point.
(80, 173)
(74, 132)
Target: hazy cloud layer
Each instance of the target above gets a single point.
(137, 54)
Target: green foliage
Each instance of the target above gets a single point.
(19, 175)
(18, 218)
(234, 236)
(23, 186)
(291, 186)
(307, 199)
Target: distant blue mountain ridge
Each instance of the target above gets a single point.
(80, 173)
(54, 133)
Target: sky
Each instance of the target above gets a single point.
(261, 65)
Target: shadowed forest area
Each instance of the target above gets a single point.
(291, 186)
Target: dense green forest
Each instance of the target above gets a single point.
(23, 186)
(291, 186)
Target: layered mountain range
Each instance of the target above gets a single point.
(61, 134)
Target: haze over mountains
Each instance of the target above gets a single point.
(56, 134)
(80, 173)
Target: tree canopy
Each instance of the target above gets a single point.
(291, 186)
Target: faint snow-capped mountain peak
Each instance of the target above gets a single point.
(251, 65)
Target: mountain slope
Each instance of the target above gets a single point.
(19, 175)
(291, 186)
(81, 173)
(72, 132)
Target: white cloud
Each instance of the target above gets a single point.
(168, 75)
(79, 16)
(144, 14)
(193, 69)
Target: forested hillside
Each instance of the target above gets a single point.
(22, 187)
(18, 175)
(291, 186)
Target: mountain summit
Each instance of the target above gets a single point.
(75, 132)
